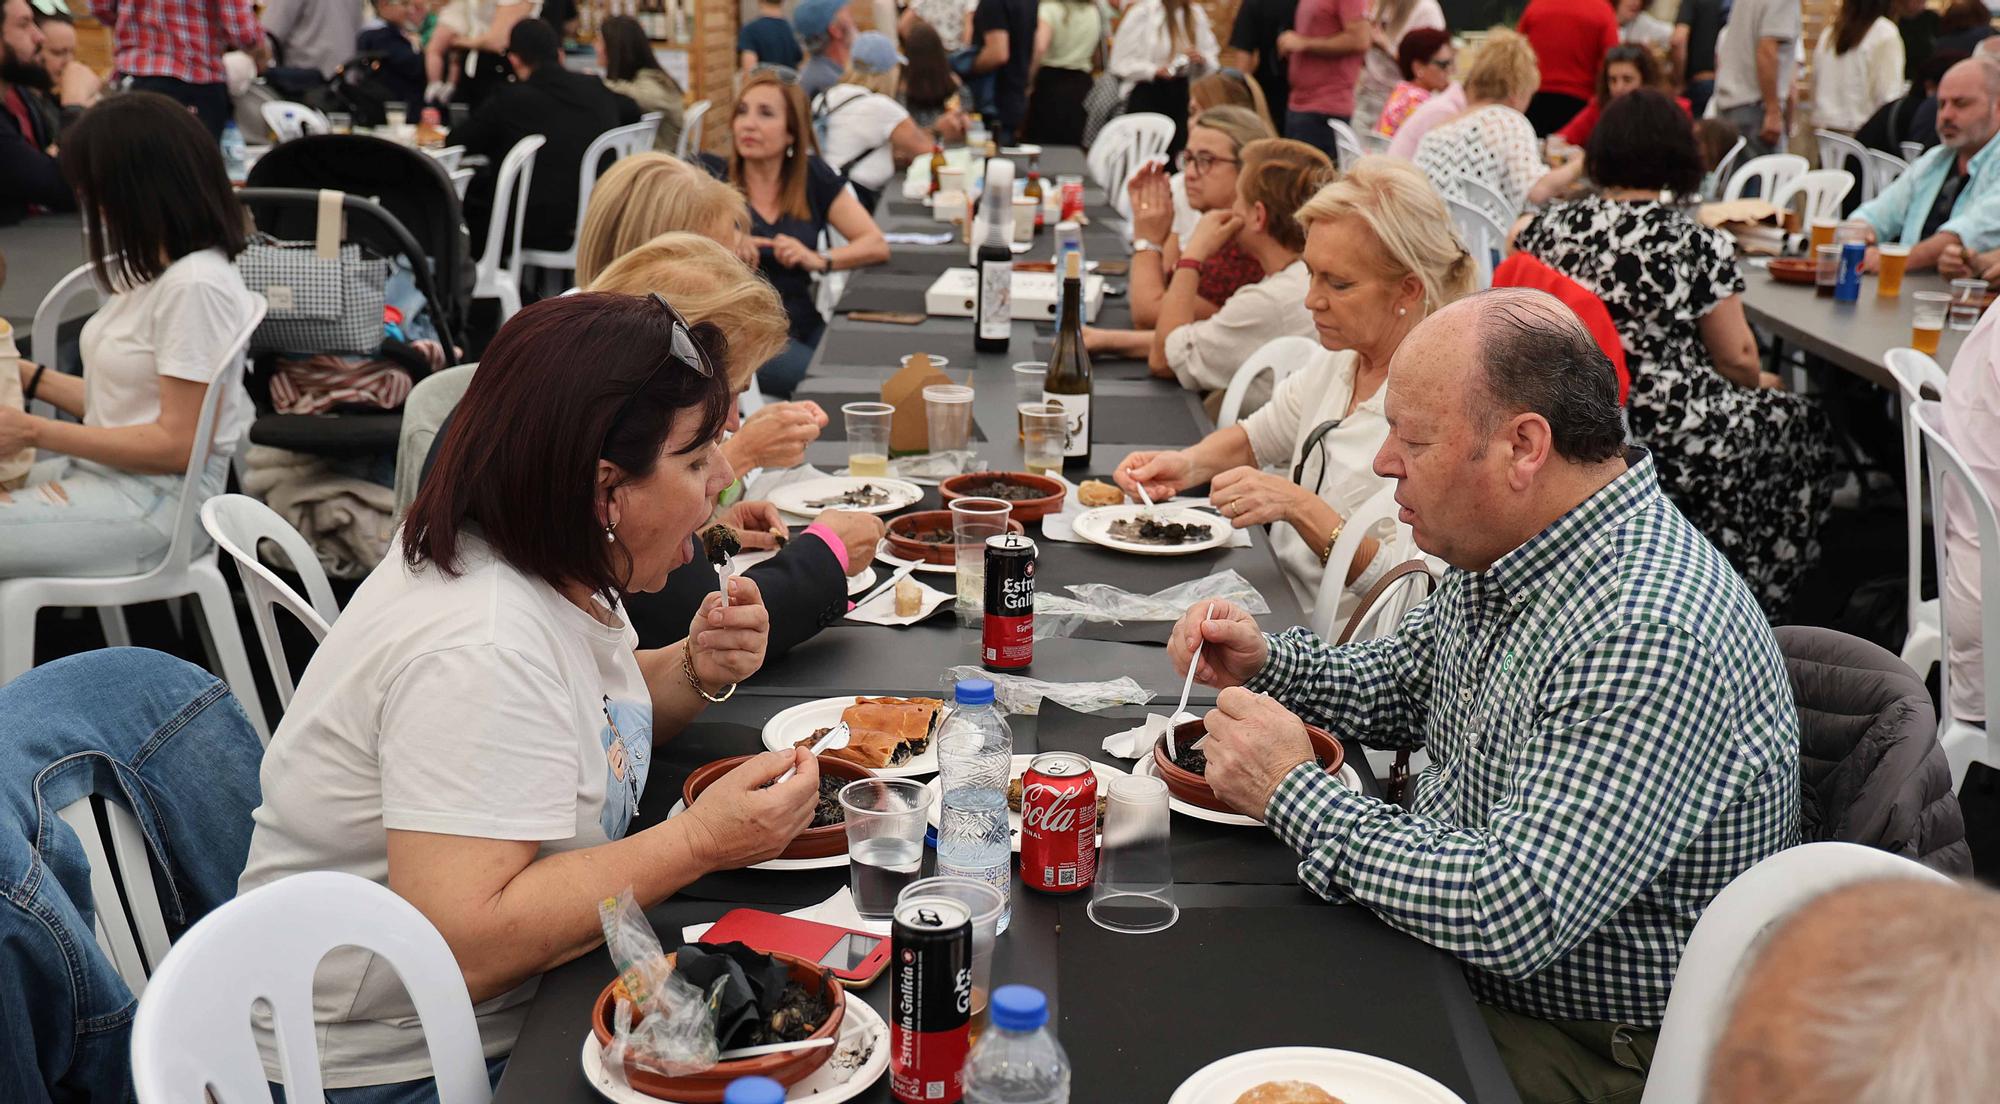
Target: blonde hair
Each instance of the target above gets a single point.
(885, 83)
(1240, 125)
(1396, 202)
(1282, 174)
(1230, 88)
(1502, 69)
(707, 283)
(644, 196)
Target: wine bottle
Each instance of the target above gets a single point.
(993, 314)
(1068, 383)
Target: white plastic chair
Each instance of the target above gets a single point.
(1346, 145)
(1836, 150)
(1280, 356)
(192, 1037)
(1771, 171)
(1885, 169)
(1408, 585)
(690, 140)
(181, 572)
(238, 524)
(448, 157)
(461, 179)
(650, 122)
(1488, 198)
(492, 278)
(1372, 142)
(1381, 506)
(1482, 236)
(1724, 167)
(1719, 950)
(1916, 373)
(289, 120)
(1964, 743)
(1123, 143)
(1911, 150)
(1822, 189)
(131, 929)
(614, 144)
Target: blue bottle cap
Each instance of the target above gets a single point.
(1019, 1008)
(754, 1090)
(975, 691)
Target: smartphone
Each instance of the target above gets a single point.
(897, 318)
(857, 958)
(1113, 268)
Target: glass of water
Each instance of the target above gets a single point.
(1042, 437)
(972, 521)
(886, 818)
(1968, 298)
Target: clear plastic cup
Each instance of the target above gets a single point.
(972, 521)
(1927, 320)
(1893, 257)
(948, 411)
(1968, 298)
(939, 362)
(1827, 273)
(1028, 378)
(985, 904)
(867, 437)
(1823, 230)
(1134, 890)
(396, 117)
(886, 819)
(340, 122)
(1042, 437)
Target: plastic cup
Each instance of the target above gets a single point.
(1889, 283)
(886, 819)
(1028, 378)
(1827, 273)
(985, 904)
(867, 437)
(1927, 322)
(1822, 232)
(1968, 298)
(340, 122)
(1024, 218)
(948, 410)
(1042, 437)
(396, 116)
(1134, 890)
(972, 521)
(938, 362)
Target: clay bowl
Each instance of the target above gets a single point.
(903, 535)
(1794, 270)
(1193, 788)
(813, 843)
(1027, 509)
(708, 1086)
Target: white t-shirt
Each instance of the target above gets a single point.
(483, 705)
(858, 121)
(175, 325)
(1736, 50)
(1850, 87)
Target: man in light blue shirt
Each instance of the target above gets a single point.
(1948, 203)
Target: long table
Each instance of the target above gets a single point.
(1852, 336)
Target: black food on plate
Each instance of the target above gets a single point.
(827, 811)
(1004, 489)
(720, 543)
(867, 494)
(1190, 759)
(1146, 529)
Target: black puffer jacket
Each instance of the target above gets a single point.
(1872, 768)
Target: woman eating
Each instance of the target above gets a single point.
(794, 197)
(1382, 257)
(630, 69)
(476, 731)
(1491, 141)
(1425, 59)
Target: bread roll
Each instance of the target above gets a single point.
(1287, 1092)
(1096, 492)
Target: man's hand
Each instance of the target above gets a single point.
(1253, 743)
(1774, 125)
(758, 524)
(1953, 262)
(1152, 199)
(728, 641)
(859, 535)
(1988, 266)
(1233, 649)
(739, 820)
(1252, 496)
(1290, 42)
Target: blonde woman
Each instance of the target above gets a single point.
(1491, 140)
(869, 133)
(648, 194)
(1381, 256)
(1159, 44)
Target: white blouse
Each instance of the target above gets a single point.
(1205, 354)
(1144, 43)
(1850, 87)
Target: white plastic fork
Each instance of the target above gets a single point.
(1187, 685)
(835, 739)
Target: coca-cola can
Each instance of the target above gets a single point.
(1007, 642)
(1058, 823)
(1072, 201)
(930, 1022)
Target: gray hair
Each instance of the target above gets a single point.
(1539, 359)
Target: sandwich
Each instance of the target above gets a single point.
(884, 732)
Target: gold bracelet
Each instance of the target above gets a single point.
(1332, 539)
(687, 668)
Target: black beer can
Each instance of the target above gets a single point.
(1008, 640)
(930, 1023)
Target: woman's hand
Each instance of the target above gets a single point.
(741, 819)
(1164, 474)
(776, 436)
(728, 641)
(1152, 198)
(951, 126)
(793, 253)
(859, 535)
(1215, 230)
(758, 525)
(17, 430)
(1251, 496)
(1234, 649)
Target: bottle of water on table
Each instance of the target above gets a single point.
(975, 757)
(1018, 1061)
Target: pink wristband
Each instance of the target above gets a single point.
(833, 542)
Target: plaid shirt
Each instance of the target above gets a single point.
(184, 39)
(1612, 739)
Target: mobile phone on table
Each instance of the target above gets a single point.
(897, 318)
(856, 957)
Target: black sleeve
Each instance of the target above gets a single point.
(399, 58)
(1686, 12)
(716, 167)
(803, 589)
(990, 15)
(1243, 30)
(823, 186)
(29, 175)
(487, 132)
(628, 109)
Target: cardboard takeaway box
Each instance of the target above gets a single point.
(909, 427)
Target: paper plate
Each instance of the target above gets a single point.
(1095, 525)
(1353, 1077)
(787, 728)
(824, 862)
(1104, 771)
(797, 498)
(861, 1028)
(887, 555)
(1144, 768)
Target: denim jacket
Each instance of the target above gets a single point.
(1898, 213)
(164, 739)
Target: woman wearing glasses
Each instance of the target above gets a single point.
(477, 729)
(1381, 256)
(1425, 58)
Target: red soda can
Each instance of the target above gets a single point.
(1008, 640)
(1058, 823)
(1072, 201)
(930, 1022)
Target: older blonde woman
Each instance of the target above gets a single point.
(869, 133)
(649, 194)
(1491, 141)
(1382, 256)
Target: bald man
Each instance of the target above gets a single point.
(1946, 207)
(1884, 992)
(1611, 732)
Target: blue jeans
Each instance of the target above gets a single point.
(75, 517)
(401, 1092)
(780, 375)
(1310, 127)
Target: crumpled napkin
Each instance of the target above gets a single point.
(1137, 742)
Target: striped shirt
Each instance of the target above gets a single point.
(1612, 739)
(183, 39)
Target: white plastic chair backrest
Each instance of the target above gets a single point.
(131, 930)
(461, 179)
(1725, 167)
(1340, 559)
(238, 523)
(1914, 373)
(1823, 190)
(1949, 469)
(1488, 198)
(1281, 356)
(1123, 143)
(650, 128)
(618, 143)
(1884, 169)
(1406, 590)
(1772, 172)
(49, 314)
(510, 197)
(1911, 150)
(1481, 235)
(192, 1032)
(1372, 142)
(1835, 149)
(691, 122)
(1346, 145)
(290, 120)
(1719, 950)
(429, 403)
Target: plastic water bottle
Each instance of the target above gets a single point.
(975, 746)
(753, 1090)
(1018, 1061)
(234, 155)
(974, 841)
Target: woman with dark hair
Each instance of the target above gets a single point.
(794, 197)
(476, 731)
(1748, 464)
(1625, 68)
(1963, 25)
(630, 69)
(1067, 34)
(930, 88)
(1425, 59)
(163, 222)
(1857, 65)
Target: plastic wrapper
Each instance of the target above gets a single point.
(1056, 615)
(1023, 695)
(938, 465)
(667, 1025)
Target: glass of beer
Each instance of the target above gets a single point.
(1894, 256)
(1927, 324)
(1822, 233)
(868, 438)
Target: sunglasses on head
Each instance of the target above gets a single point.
(681, 346)
(784, 74)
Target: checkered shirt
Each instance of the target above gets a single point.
(178, 38)
(1612, 739)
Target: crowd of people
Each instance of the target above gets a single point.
(1596, 680)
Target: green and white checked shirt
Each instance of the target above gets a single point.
(1612, 739)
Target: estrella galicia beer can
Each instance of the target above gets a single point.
(930, 1026)
(1008, 640)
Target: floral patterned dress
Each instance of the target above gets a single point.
(1753, 469)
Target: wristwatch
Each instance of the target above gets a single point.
(1141, 245)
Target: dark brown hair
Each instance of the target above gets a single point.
(627, 53)
(566, 382)
(1638, 57)
(152, 187)
(1854, 21)
(798, 124)
(1644, 141)
(928, 81)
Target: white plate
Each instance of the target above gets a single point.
(792, 497)
(824, 862)
(887, 555)
(1144, 768)
(1094, 526)
(1104, 771)
(861, 1026)
(1353, 1077)
(858, 585)
(800, 721)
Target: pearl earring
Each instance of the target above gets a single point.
(610, 536)
(1401, 311)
